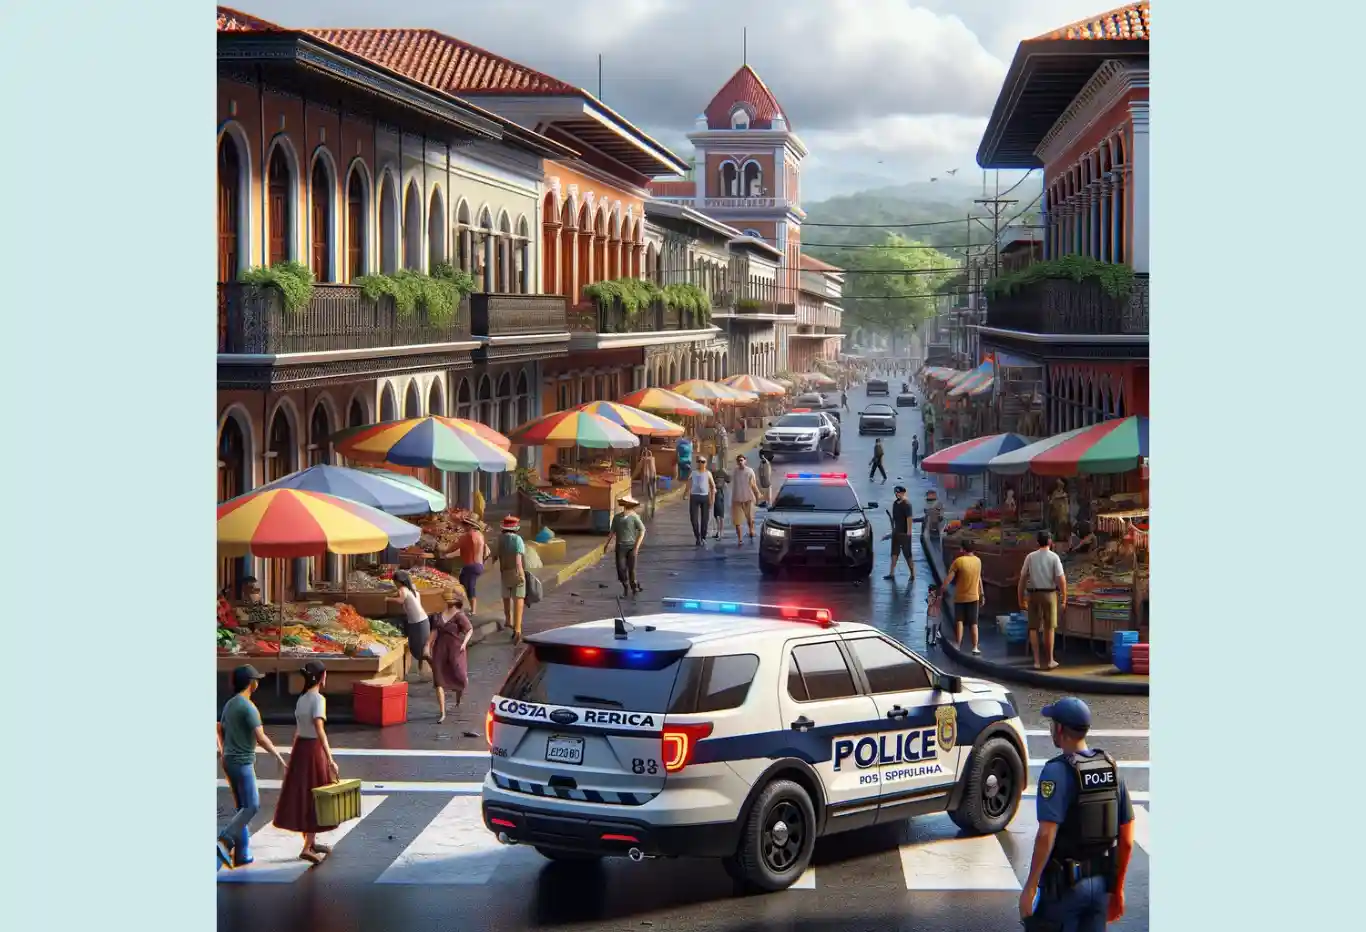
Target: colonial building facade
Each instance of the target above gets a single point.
(1093, 149)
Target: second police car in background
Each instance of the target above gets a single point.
(740, 732)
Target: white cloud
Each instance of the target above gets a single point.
(877, 88)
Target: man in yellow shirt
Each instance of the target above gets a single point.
(965, 574)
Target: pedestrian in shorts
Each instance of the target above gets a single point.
(968, 595)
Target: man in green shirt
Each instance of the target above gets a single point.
(239, 732)
(629, 533)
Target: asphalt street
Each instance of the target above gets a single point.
(420, 858)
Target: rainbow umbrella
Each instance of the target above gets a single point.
(755, 385)
(575, 428)
(971, 457)
(714, 393)
(638, 422)
(664, 401)
(389, 492)
(1114, 446)
(295, 523)
(427, 442)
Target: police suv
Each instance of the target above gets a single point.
(740, 732)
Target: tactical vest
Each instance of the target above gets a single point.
(1091, 826)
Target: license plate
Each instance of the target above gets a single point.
(560, 750)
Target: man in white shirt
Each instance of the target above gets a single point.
(1043, 593)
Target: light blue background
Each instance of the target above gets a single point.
(108, 265)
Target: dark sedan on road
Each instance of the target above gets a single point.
(877, 419)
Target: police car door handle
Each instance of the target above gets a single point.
(803, 724)
(897, 712)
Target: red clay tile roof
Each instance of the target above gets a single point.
(812, 264)
(744, 87)
(1127, 22)
(443, 62)
(673, 188)
(230, 20)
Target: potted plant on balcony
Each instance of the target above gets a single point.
(292, 280)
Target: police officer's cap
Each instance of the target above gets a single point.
(1069, 712)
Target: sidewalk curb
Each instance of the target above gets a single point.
(1013, 673)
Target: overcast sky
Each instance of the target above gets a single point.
(881, 91)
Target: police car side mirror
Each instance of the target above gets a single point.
(949, 683)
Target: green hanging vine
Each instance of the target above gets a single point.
(293, 280)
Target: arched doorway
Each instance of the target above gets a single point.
(234, 472)
(230, 187)
(281, 460)
(412, 401)
(436, 231)
(412, 228)
(320, 220)
(357, 229)
(280, 191)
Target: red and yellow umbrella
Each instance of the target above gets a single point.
(665, 402)
(714, 393)
(575, 428)
(641, 423)
(755, 385)
(293, 523)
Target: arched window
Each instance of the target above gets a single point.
(730, 177)
(280, 184)
(436, 230)
(412, 228)
(230, 225)
(357, 227)
(412, 401)
(751, 180)
(320, 220)
(319, 436)
(388, 225)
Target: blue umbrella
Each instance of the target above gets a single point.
(394, 494)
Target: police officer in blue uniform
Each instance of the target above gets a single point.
(1086, 832)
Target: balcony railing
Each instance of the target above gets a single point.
(613, 318)
(510, 315)
(1065, 306)
(253, 319)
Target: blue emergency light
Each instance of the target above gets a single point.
(815, 616)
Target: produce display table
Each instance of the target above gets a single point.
(342, 672)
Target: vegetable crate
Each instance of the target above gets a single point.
(380, 704)
(337, 802)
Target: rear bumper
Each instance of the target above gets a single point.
(609, 836)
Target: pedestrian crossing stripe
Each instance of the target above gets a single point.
(455, 849)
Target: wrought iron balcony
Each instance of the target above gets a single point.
(253, 320)
(1063, 306)
(510, 315)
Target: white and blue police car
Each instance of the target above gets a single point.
(741, 732)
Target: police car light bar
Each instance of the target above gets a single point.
(818, 475)
(815, 616)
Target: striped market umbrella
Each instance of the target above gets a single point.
(427, 442)
(755, 385)
(1109, 447)
(665, 402)
(389, 492)
(714, 393)
(971, 457)
(574, 428)
(641, 423)
(295, 523)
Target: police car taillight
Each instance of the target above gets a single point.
(488, 725)
(679, 743)
(815, 616)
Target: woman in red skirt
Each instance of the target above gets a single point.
(310, 766)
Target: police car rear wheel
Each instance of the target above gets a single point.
(992, 791)
(778, 838)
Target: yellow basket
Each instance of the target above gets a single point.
(337, 802)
